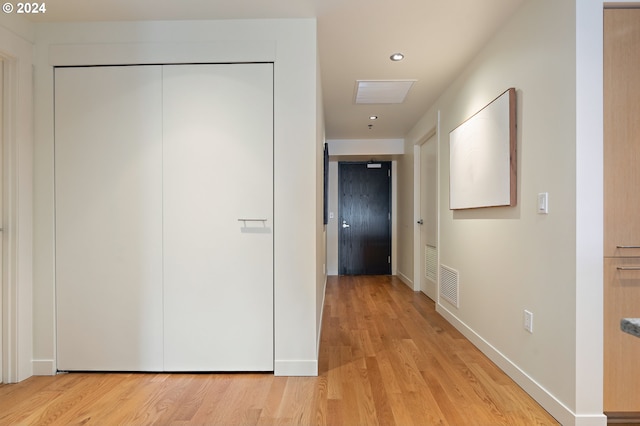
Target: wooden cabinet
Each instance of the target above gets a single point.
(621, 212)
(622, 350)
(622, 132)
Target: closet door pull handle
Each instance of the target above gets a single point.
(628, 268)
(628, 247)
(252, 220)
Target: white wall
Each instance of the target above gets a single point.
(16, 27)
(589, 211)
(339, 147)
(295, 153)
(512, 259)
(321, 229)
(405, 216)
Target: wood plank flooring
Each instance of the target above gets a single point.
(386, 358)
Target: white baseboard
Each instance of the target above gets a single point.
(549, 402)
(408, 281)
(308, 368)
(591, 420)
(44, 367)
(324, 294)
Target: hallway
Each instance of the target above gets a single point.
(386, 358)
(391, 359)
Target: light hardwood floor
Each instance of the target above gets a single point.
(386, 358)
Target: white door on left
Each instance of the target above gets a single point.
(108, 190)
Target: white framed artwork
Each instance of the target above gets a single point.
(482, 157)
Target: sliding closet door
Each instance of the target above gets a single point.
(218, 217)
(108, 188)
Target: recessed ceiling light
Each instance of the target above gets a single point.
(373, 117)
(396, 57)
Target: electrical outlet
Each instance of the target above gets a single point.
(528, 321)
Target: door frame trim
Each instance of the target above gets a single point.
(16, 287)
(417, 250)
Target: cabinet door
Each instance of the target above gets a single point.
(108, 186)
(621, 132)
(621, 350)
(218, 170)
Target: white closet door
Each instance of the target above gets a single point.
(108, 183)
(218, 169)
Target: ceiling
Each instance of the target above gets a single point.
(355, 38)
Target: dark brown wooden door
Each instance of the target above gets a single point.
(364, 226)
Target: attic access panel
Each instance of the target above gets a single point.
(382, 91)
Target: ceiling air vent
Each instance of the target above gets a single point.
(382, 91)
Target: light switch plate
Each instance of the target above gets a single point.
(543, 203)
(528, 321)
